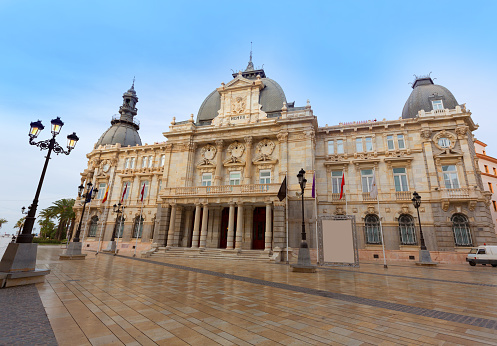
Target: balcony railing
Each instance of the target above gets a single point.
(224, 189)
(367, 197)
(403, 195)
(335, 197)
(462, 192)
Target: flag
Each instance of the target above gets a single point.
(106, 194)
(282, 191)
(88, 196)
(313, 186)
(374, 189)
(342, 185)
(124, 193)
(142, 193)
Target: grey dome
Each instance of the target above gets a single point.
(424, 92)
(120, 132)
(271, 98)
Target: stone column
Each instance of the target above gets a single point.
(249, 227)
(219, 163)
(231, 226)
(187, 227)
(203, 232)
(239, 227)
(162, 227)
(172, 228)
(268, 235)
(279, 234)
(196, 226)
(248, 161)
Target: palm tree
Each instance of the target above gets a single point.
(20, 223)
(2, 221)
(63, 212)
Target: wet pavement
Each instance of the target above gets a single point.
(178, 301)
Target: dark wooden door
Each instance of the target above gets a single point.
(223, 236)
(259, 228)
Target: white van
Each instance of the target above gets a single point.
(483, 254)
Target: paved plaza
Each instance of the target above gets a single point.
(178, 301)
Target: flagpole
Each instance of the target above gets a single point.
(286, 212)
(316, 215)
(101, 231)
(141, 224)
(381, 225)
(118, 230)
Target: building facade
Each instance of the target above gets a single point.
(214, 182)
(488, 168)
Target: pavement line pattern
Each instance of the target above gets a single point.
(23, 320)
(414, 277)
(441, 315)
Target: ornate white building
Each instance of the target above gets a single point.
(211, 188)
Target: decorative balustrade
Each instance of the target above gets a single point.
(403, 195)
(224, 189)
(462, 192)
(335, 197)
(367, 197)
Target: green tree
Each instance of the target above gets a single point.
(20, 223)
(62, 211)
(47, 228)
(2, 221)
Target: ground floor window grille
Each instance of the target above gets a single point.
(462, 234)
(372, 229)
(138, 227)
(407, 230)
(93, 227)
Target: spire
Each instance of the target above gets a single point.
(250, 66)
(133, 85)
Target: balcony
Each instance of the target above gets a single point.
(403, 195)
(366, 197)
(266, 189)
(335, 197)
(462, 192)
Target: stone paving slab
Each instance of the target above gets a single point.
(23, 320)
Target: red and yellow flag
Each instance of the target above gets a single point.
(106, 194)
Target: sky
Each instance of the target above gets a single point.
(353, 60)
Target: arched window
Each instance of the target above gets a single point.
(372, 229)
(138, 227)
(407, 230)
(93, 226)
(119, 227)
(462, 234)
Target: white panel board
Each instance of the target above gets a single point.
(338, 241)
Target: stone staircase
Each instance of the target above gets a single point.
(214, 254)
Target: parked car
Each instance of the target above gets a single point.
(483, 254)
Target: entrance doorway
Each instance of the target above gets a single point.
(190, 241)
(223, 236)
(259, 228)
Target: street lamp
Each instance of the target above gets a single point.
(90, 194)
(119, 210)
(424, 254)
(304, 262)
(50, 145)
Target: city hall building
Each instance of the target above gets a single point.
(210, 187)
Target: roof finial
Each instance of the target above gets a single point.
(133, 85)
(250, 66)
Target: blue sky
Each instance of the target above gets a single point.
(353, 60)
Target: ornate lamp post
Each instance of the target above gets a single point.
(50, 145)
(119, 210)
(304, 262)
(424, 254)
(89, 194)
(20, 257)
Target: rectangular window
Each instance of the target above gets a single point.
(339, 146)
(400, 141)
(150, 161)
(358, 145)
(336, 181)
(162, 159)
(367, 179)
(144, 162)
(126, 163)
(486, 168)
(400, 179)
(265, 176)
(450, 177)
(495, 205)
(160, 185)
(127, 187)
(206, 179)
(235, 178)
(145, 193)
(437, 104)
(132, 163)
(331, 147)
(390, 144)
(369, 144)
(490, 187)
(101, 190)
